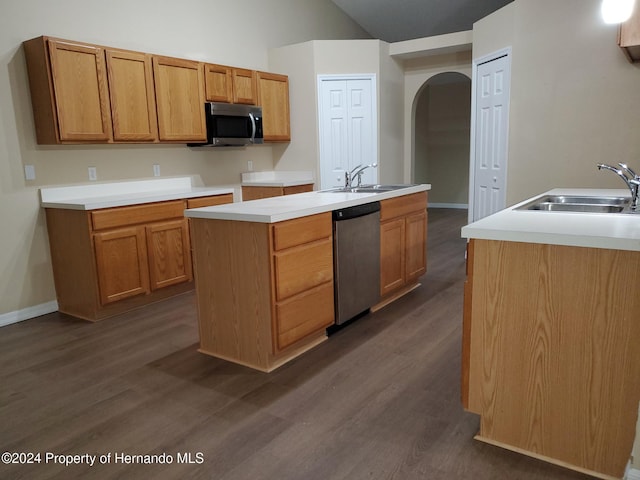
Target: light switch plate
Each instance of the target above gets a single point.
(29, 172)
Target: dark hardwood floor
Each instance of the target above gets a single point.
(379, 400)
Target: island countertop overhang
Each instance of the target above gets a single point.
(617, 231)
(288, 207)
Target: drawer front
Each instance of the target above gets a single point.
(300, 269)
(210, 201)
(301, 230)
(298, 189)
(401, 206)
(304, 314)
(135, 214)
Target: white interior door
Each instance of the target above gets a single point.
(492, 82)
(347, 129)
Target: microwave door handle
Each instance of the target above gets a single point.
(253, 126)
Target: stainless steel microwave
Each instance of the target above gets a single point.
(231, 124)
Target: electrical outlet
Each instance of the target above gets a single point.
(93, 174)
(156, 170)
(29, 172)
(250, 165)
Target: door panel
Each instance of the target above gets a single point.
(347, 129)
(169, 254)
(492, 117)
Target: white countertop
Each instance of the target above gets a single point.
(276, 179)
(117, 194)
(277, 209)
(617, 231)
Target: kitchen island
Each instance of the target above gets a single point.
(551, 333)
(264, 269)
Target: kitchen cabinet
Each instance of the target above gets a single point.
(69, 92)
(180, 99)
(275, 297)
(110, 260)
(403, 250)
(230, 85)
(273, 96)
(132, 95)
(250, 192)
(629, 36)
(550, 359)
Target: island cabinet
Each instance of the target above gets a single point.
(110, 260)
(273, 96)
(265, 293)
(403, 252)
(550, 356)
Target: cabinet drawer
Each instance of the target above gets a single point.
(401, 206)
(210, 201)
(134, 214)
(304, 314)
(303, 268)
(301, 230)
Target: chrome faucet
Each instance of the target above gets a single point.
(631, 178)
(357, 172)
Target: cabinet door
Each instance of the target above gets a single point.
(133, 103)
(180, 100)
(218, 83)
(416, 252)
(392, 255)
(80, 90)
(169, 253)
(244, 86)
(273, 96)
(121, 261)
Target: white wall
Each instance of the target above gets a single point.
(304, 62)
(416, 74)
(575, 99)
(234, 33)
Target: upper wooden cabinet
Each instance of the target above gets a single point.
(273, 96)
(69, 92)
(180, 99)
(132, 94)
(230, 85)
(629, 36)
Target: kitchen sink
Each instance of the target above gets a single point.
(381, 188)
(578, 203)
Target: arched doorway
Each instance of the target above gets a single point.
(442, 124)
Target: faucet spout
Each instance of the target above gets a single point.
(633, 182)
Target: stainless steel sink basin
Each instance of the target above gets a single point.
(575, 199)
(381, 188)
(578, 203)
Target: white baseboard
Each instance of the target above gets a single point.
(27, 313)
(632, 473)
(462, 206)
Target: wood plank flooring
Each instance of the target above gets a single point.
(379, 400)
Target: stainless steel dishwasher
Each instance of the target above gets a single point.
(356, 258)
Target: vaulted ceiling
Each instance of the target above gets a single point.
(398, 20)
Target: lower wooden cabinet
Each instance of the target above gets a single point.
(111, 260)
(121, 263)
(403, 238)
(169, 253)
(265, 295)
(250, 192)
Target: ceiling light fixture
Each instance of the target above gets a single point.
(616, 11)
